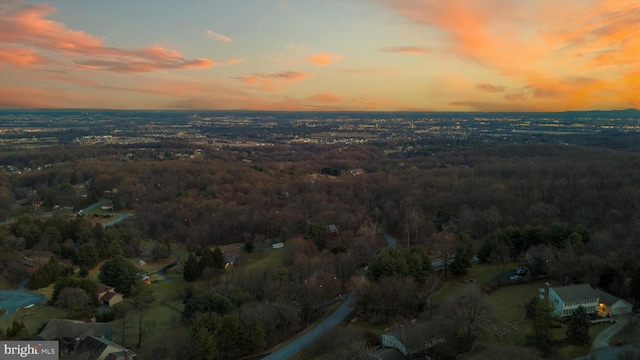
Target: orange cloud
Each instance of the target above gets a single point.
(322, 59)
(490, 88)
(326, 98)
(273, 81)
(538, 45)
(407, 49)
(20, 57)
(27, 26)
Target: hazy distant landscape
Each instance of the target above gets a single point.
(254, 226)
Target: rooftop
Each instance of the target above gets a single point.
(575, 292)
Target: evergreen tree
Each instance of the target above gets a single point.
(205, 343)
(218, 259)
(463, 255)
(17, 331)
(460, 264)
(318, 232)
(541, 337)
(249, 246)
(47, 274)
(578, 332)
(207, 259)
(88, 256)
(251, 337)
(191, 268)
(119, 273)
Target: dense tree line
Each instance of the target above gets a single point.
(570, 211)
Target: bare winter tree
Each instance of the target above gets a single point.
(464, 316)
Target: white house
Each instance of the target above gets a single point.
(566, 299)
(610, 305)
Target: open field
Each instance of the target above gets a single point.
(34, 318)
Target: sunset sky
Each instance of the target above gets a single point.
(409, 55)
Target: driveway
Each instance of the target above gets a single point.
(602, 340)
(600, 349)
(610, 353)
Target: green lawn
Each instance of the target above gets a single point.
(34, 318)
(162, 319)
(267, 259)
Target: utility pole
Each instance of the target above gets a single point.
(124, 317)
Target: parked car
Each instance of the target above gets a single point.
(515, 277)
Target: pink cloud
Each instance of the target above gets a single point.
(273, 81)
(322, 59)
(407, 49)
(217, 36)
(234, 61)
(20, 57)
(27, 26)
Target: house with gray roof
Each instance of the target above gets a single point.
(95, 348)
(409, 339)
(567, 299)
(68, 330)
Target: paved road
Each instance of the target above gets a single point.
(324, 326)
(117, 220)
(95, 205)
(391, 242)
(329, 322)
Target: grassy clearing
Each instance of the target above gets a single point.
(34, 318)
(162, 320)
(267, 259)
(47, 292)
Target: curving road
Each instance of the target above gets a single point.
(117, 220)
(95, 205)
(325, 325)
(320, 329)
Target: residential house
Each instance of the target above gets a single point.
(97, 348)
(79, 340)
(409, 339)
(65, 330)
(610, 305)
(107, 295)
(566, 299)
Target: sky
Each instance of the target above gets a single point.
(383, 55)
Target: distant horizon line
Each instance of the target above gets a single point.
(315, 111)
